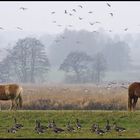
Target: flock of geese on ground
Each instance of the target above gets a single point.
(69, 128)
(71, 14)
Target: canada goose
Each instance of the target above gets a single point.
(117, 128)
(99, 131)
(111, 14)
(23, 8)
(69, 127)
(107, 127)
(70, 14)
(12, 130)
(49, 124)
(125, 29)
(108, 4)
(1, 28)
(80, 18)
(65, 11)
(58, 130)
(90, 12)
(19, 28)
(78, 125)
(74, 10)
(94, 127)
(91, 23)
(80, 6)
(53, 12)
(38, 127)
(17, 125)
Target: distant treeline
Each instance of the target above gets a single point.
(83, 56)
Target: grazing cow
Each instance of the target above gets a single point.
(12, 92)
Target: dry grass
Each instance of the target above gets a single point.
(73, 97)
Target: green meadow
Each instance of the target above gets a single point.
(129, 120)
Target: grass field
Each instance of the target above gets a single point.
(129, 120)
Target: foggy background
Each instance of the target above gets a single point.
(71, 42)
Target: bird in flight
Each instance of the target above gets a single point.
(90, 12)
(23, 8)
(80, 6)
(52, 12)
(54, 21)
(74, 10)
(19, 28)
(108, 4)
(91, 23)
(97, 22)
(65, 11)
(1, 28)
(70, 14)
(59, 25)
(80, 18)
(111, 14)
(125, 29)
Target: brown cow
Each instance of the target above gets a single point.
(133, 95)
(12, 92)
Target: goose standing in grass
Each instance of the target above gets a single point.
(12, 130)
(78, 125)
(99, 131)
(118, 128)
(107, 126)
(70, 128)
(17, 125)
(94, 127)
(38, 128)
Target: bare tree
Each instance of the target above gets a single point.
(77, 63)
(28, 60)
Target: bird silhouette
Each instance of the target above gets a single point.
(80, 18)
(65, 11)
(78, 125)
(97, 22)
(91, 23)
(118, 128)
(53, 12)
(23, 8)
(17, 125)
(125, 29)
(111, 14)
(19, 28)
(59, 25)
(90, 12)
(108, 4)
(74, 10)
(80, 6)
(1, 28)
(70, 14)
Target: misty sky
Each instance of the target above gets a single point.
(38, 17)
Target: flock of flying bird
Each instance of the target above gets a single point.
(71, 14)
(69, 128)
